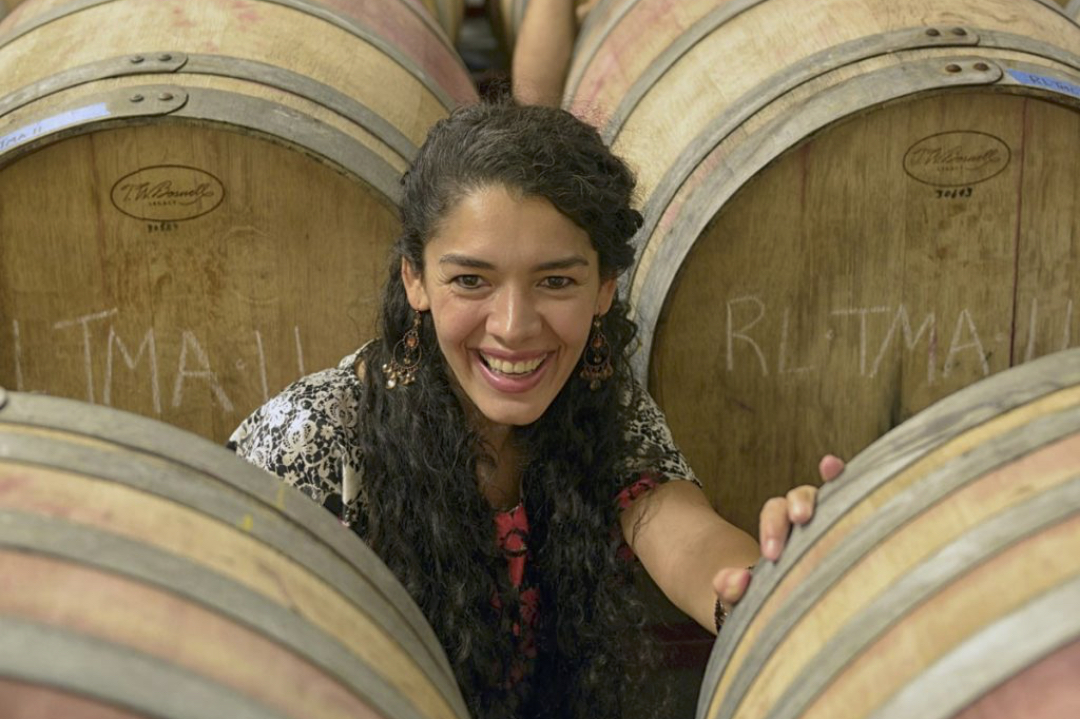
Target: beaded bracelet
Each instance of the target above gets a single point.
(720, 614)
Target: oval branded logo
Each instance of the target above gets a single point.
(957, 159)
(167, 193)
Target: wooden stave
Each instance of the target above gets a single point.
(923, 444)
(29, 701)
(403, 31)
(676, 214)
(181, 633)
(1023, 694)
(336, 136)
(139, 457)
(911, 441)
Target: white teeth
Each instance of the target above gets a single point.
(504, 367)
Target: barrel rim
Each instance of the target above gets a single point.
(901, 447)
(184, 449)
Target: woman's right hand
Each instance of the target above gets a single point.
(777, 518)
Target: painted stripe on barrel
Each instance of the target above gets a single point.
(1045, 690)
(221, 66)
(128, 613)
(944, 430)
(894, 516)
(977, 546)
(118, 433)
(44, 655)
(271, 120)
(349, 24)
(990, 657)
(183, 577)
(354, 615)
(23, 700)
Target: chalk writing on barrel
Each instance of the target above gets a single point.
(140, 354)
(748, 336)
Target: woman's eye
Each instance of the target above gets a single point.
(468, 282)
(558, 283)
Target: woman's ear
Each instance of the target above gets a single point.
(414, 286)
(606, 296)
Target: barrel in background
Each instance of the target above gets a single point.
(147, 569)
(852, 209)
(195, 207)
(938, 577)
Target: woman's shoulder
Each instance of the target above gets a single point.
(655, 451)
(305, 433)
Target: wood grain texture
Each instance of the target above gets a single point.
(83, 601)
(1046, 690)
(911, 556)
(178, 560)
(205, 257)
(817, 265)
(24, 700)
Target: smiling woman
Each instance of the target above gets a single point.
(491, 445)
(512, 287)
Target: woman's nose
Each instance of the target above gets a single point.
(514, 317)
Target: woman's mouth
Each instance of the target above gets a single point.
(509, 368)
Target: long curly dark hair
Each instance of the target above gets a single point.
(426, 516)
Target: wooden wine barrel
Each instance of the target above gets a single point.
(852, 209)
(938, 578)
(195, 207)
(145, 569)
(1072, 9)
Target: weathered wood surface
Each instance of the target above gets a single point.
(187, 257)
(129, 540)
(849, 213)
(935, 545)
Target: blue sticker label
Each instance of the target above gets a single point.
(1048, 83)
(56, 122)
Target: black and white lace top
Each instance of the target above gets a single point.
(305, 436)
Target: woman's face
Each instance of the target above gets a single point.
(512, 285)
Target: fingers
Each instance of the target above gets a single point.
(730, 584)
(830, 467)
(779, 513)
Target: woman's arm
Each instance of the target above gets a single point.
(542, 52)
(695, 556)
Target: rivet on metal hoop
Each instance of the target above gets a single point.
(953, 68)
(137, 98)
(982, 66)
(959, 31)
(165, 96)
(933, 32)
(164, 57)
(137, 59)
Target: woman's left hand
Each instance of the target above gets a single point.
(777, 517)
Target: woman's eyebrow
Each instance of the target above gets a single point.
(563, 264)
(465, 261)
(560, 264)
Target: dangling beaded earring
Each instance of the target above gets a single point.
(597, 359)
(405, 360)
